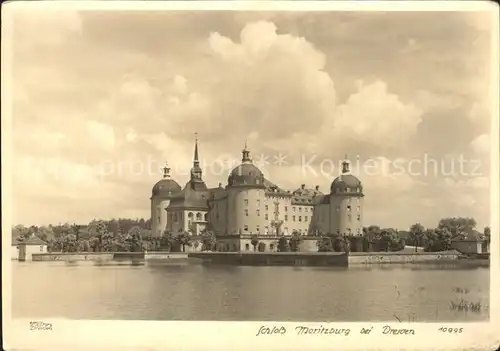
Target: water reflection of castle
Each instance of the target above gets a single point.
(251, 205)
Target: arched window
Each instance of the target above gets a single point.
(190, 215)
(247, 247)
(206, 216)
(198, 216)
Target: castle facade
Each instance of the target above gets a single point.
(250, 205)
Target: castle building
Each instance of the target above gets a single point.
(250, 205)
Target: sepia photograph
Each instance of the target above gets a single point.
(250, 164)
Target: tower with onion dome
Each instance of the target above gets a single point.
(163, 191)
(346, 203)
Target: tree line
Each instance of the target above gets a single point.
(134, 235)
(115, 235)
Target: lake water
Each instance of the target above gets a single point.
(200, 292)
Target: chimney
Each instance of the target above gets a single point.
(317, 187)
(220, 185)
(303, 186)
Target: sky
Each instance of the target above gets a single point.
(101, 99)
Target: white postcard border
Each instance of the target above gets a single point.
(76, 334)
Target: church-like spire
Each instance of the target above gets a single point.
(345, 165)
(166, 170)
(196, 172)
(196, 160)
(246, 155)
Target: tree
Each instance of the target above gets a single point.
(432, 242)
(84, 246)
(99, 229)
(487, 234)
(325, 244)
(417, 234)
(283, 245)
(445, 238)
(340, 243)
(134, 239)
(168, 241)
(183, 239)
(94, 244)
(20, 233)
(254, 241)
(389, 238)
(69, 243)
(208, 241)
(295, 241)
(457, 226)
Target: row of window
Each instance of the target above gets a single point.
(266, 229)
(178, 216)
(267, 217)
(306, 209)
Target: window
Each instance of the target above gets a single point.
(358, 231)
(257, 229)
(246, 213)
(300, 209)
(198, 216)
(41, 248)
(267, 217)
(293, 209)
(286, 208)
(293, 218)
(267, 207)
(247, 247)
(349, 208)
(286, 217)
(258, 212)
(190, 215)
(359, 217)
(271, 247)
(258, 203)
(305, 218)
(159, 219)
(358, 208)
(206, 216)
(246, 202)
(245, 228)
(300, 218)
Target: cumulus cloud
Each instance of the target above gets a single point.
(107, 117)
(376, 116)
(481, 144)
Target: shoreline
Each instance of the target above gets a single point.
(304, 259)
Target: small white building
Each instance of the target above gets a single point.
(30, 246)
(474, 243)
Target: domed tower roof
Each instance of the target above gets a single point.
(166, 187)
(346, 182)
(246, 174)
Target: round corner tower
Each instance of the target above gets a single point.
(246, 198)
(346, 203)
(162, 192)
